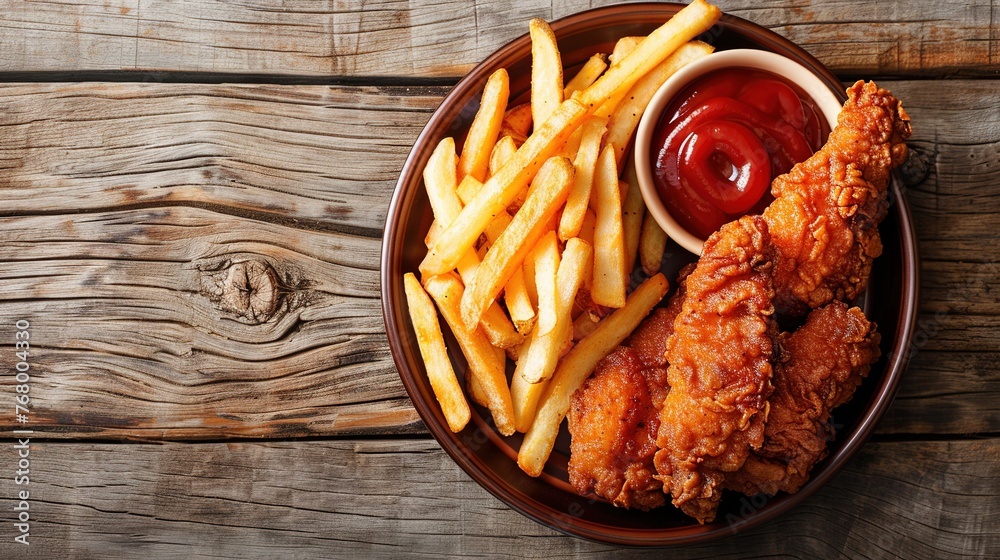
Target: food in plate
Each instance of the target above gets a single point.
(614, 418)
(821, 364)
(724, 138)
(531, 261)
(719, 357)
(530, 232)
(717, 431)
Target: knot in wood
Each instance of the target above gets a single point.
(250, 290)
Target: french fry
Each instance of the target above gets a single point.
(652, 242)
(546, 71)
(440, 374)
(440, 182)
(497, 327)
(623, 46)
(432, 232)
(485, 128)
(572, 268)
(501, 189)
(588, 74)
(468, 188)
(610, 276)
(515, 295)
(502, 152)
(592, 132)
(484, 361)
(437, 179)
(633, 210)
(577, 365)
(517, 123)
(625, 117)
(692, 20)
(537, 362)
(545, 257)
(547, 195)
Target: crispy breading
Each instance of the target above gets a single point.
(822, 363)
(825, 216)
(719, 367)
(613, 423)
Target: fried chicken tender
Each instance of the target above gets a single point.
(719, 368)
(614, 417)
(824, 219)
(613, 424)
(822, 363)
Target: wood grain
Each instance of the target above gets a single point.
(325, 156)
(444, 39)
(201, 261)
(332, 498)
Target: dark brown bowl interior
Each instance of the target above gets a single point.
(488, 457)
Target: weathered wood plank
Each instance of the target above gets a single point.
(406, 498)
(315, 154)
(187, 322)
(444, 39)
(125, 205)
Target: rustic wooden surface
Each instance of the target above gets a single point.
(191, 201)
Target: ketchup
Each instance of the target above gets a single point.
(723, 140)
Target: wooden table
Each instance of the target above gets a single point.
(192, 195)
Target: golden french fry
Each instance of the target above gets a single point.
(623, 46)
(610, 277)
(633, 210)
(435, 229)
(538, 360)
(547, 195)
(501, 189)
(588, 74)
(484, 361)
(625, 117)
(498, 328)
(517, 123)
(652, 242)
(440, 373)
(692, 20)
(468, 188)
(497, 226)
(545, 257)
(546, 71)
(592, 131)
(440, 182)
(485, 127)
(577, 365)
(515, 295)
(572, 268)
(502, 152)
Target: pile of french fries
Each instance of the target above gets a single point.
(538, 223)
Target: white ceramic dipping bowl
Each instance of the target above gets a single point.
(825, 100)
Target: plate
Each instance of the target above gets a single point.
(489, 458)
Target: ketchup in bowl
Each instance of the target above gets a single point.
(723, 139)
